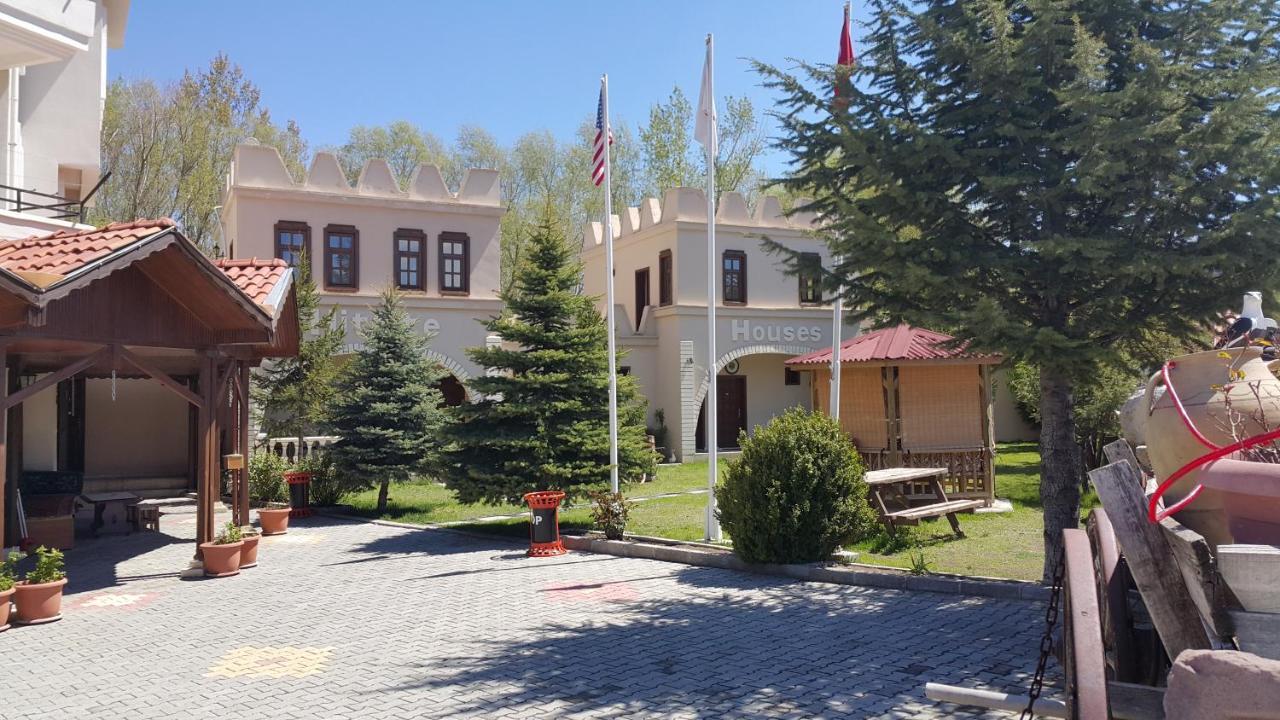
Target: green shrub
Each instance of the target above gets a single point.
(609, 511)
(796, 493)
(328, 486)
(48, 567)
(266, 477)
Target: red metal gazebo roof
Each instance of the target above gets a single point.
(896, 343)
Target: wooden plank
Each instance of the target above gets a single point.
(1117, 623)
(936, 509)
(1044, 707)
(895, 475)
(1121, 451)
(1087, 665)
(1252, 574)
(159, 376)
(1151, 562)
(1135, 702)
(1258, 633)
(988, 433)
(54, 378)
(1198, 570)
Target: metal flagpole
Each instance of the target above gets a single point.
(609, 307)
(837, 325)
(708, 121)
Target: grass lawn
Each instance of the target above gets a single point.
(998, 544)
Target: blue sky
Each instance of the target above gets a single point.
(510, 67)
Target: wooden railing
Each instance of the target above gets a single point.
(969, 474)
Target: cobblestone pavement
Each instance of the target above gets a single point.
(355, 620)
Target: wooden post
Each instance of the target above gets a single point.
(988, 432)
(242, 441)
(1150, 561)
(889, 378)
(4, 432)
(206, 442)
(13, 439)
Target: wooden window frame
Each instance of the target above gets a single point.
(791, 377)
(742, 277)
(666, 279)
(397, 253)
(291, 226)
(805, 260)
(648, 297)
(450, 236)
(329, 253)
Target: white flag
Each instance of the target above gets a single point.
(704, 131)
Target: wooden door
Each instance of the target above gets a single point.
(642, 294)
(731, 409)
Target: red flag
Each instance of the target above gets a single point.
(846, 42)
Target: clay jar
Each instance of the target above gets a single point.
(1212, 399)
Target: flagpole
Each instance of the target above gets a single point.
(712, 437)
(837, 325)
(609, 303)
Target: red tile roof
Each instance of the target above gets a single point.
(257, 278)
(65, 252)
(896, 343)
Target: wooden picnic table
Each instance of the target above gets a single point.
(110, 508)
(892, 482)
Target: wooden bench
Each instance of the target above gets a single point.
(892, 481)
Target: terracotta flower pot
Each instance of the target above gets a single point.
(38, 603)
(274, 521)
(221, 560)
(4, 608)
(1204, 384)
(249, 553)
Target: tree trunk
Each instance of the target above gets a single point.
(383, 486)
(1061, 466)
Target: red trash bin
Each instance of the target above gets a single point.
(544, 523)
(299, 493)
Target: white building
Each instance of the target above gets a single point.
(763, 315)
(53, 84)
(441, 249)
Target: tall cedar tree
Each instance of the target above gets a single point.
(1046, 179)
(543, 422)
(388, 414)
(293, 395)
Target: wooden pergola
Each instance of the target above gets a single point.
(138, 300)
(910, 397)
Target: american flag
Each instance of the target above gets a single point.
(598, 157)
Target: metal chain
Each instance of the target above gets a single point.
(1046, 640)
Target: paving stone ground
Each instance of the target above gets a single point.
(356, 620)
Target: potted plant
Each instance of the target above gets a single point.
(249, 552)
(38, 598)
(274, 519)
(8, 577)
(222, 555)
(609, 513)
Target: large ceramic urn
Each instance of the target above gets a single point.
(1228, 395)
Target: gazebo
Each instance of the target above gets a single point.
(910, 397)
(139, 300)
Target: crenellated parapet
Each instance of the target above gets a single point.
(690, 205)
(261, 166)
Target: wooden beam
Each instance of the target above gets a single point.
(4, 431)
(205, 443)
(1150, 561)
(242, 436)
(889, 378)
(158, 375)
(13, 437)
(987, 400)
(54, 378)
(1088, 662)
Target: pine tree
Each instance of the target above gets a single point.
(543, 420)
(1046, 179)
(388, 414)
(292, 396)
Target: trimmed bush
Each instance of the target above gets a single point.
(796, 494)
(328, 486)
(266, 477)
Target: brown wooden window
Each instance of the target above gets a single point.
(410, 259)
(664, 277)
(642, 294)
(341, 256)
(293, 240)
(734, 276)
(810, 275)
(790, 377)
(455, 272)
